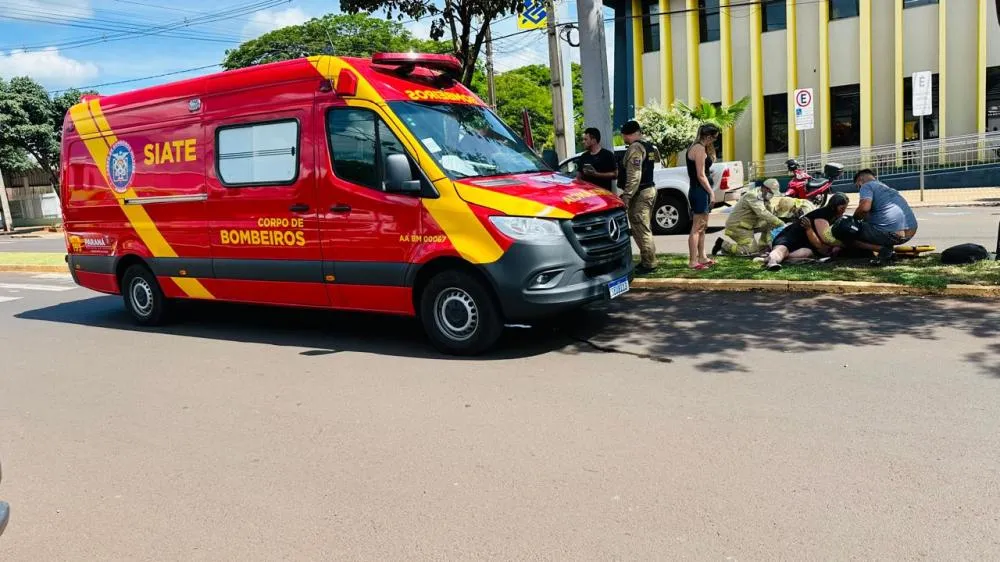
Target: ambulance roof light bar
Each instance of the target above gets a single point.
(405, 63)
(446, 63)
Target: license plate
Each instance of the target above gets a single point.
(618, 287)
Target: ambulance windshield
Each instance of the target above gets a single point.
(467, 140)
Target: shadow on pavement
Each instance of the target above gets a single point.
(323, 332)
(714, 328)
(718, 327)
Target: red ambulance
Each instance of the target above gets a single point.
(378, 185)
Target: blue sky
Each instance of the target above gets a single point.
(64, 43)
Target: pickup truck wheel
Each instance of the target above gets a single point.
(671, 215)
(460, 314)
(143, 297)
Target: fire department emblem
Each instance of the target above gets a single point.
(121, 166)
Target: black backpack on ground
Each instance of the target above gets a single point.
(964, 254)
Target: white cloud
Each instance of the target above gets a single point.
(47, 67)
(269, 20)
(47, 10)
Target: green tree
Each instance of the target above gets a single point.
(463, 22)
(528, 87)
(31, 124)
(349, 35)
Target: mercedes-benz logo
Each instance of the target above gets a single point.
(614, 232)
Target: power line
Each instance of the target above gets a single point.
(210, 17)
(174, 73)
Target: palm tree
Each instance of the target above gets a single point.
(722, 117)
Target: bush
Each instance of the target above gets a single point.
(671, 130)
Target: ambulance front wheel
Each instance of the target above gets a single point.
(459, 314)
(143, 297)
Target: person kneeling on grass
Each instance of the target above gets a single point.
(882, 220)
(749, 218)
(808, 236)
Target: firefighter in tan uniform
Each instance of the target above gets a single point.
(749, 218)
(639, 193)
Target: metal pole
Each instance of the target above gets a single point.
(555, 74)
(491, 92)
(805, 153)
(921, 158)
(8, 221)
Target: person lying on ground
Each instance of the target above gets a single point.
(749, 218)
(883, 218)
(810, 236)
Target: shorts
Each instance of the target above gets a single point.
(792, 237)
(698, 199)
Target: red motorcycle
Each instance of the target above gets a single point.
(815, 189)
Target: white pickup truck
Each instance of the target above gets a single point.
(672, 213)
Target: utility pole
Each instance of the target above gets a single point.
(8, 221)
(594, 65)
(556, 75)
(491, 91)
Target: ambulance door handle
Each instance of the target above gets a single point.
(340, 208)
(299, 208)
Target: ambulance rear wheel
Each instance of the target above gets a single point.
(144, 299)
(459, 314)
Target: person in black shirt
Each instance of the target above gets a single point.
(810, 236)
(596, 165)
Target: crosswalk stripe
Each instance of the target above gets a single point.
(8, 299)
(33, 287)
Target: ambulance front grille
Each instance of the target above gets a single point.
(596, 239)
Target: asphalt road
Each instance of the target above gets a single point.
(940, 226)
(679, 426)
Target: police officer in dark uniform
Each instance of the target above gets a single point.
(639, 192)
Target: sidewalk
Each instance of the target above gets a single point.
(962, 197)
(32, 232)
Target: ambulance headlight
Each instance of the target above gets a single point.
(530, 229)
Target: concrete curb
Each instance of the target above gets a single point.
(34, 269)
(828, 287)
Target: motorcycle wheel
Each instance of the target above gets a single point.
(821, 199)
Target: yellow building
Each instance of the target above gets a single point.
(856, 55)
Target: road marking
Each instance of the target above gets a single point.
(8, 299)
(53, 276)
(27, 287)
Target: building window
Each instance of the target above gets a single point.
(911, 124)
(915, 3)
(993, 99)
(772, 15)
(258, 154)
(650, 26)
(776, 123)
(708, 20)
(840, 9)
(845, 116)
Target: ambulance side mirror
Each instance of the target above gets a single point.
(399, 176)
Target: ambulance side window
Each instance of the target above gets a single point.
(352, 145)
(359, 144)
(258, 154)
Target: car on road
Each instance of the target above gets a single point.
(671, 212)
